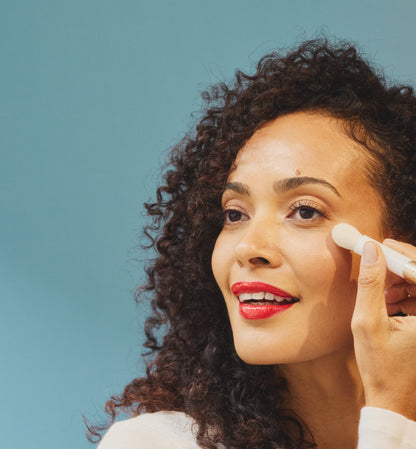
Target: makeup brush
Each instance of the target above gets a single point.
(348, 237)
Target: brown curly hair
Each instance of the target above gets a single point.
(192, 365)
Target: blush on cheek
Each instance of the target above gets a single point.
(344, 260)
(314, 256)
(325, 268)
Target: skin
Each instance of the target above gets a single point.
(335, 346)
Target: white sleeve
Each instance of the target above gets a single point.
(384, 429)
(151, 431)
(121, 436)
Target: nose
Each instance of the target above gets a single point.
(259, 246)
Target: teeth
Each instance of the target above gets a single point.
(260, 296)
(245, 297)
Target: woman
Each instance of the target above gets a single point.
(288, 341)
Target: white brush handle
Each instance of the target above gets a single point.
(395, 261)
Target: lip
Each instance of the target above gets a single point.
(261, 312)
(253, 287)
(252, 311)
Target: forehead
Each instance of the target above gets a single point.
(305, 144)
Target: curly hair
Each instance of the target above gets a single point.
(192, 365)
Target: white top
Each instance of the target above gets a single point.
(378, 429)
(161, 430)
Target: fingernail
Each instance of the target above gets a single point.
(370, 254)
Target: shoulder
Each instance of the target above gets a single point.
(161, 430)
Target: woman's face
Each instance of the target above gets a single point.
(289, 290)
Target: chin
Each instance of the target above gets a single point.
(256, 356)
(287, 354)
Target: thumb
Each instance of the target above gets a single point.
(370, 308)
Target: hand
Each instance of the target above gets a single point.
(400, 295)
(385, 346)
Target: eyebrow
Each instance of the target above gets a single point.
(284, 185)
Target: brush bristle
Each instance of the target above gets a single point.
(345, 235)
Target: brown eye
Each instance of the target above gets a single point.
(306, 212)
(232, 215)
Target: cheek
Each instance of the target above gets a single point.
(220, 260)
(325, 270)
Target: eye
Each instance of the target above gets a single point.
(306, 211)
(233, 216)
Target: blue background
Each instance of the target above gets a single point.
(92, 95)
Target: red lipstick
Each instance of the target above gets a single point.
(260, 312)
(265, 309)
(252, 287)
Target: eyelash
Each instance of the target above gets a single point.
(294, 208)
(227, 213)
(310, 206)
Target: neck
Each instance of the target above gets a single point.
(327, 395)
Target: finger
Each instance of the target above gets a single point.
(370, 308)
(393, 279)
(403, 248)
(406, 306)
(398, 292)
